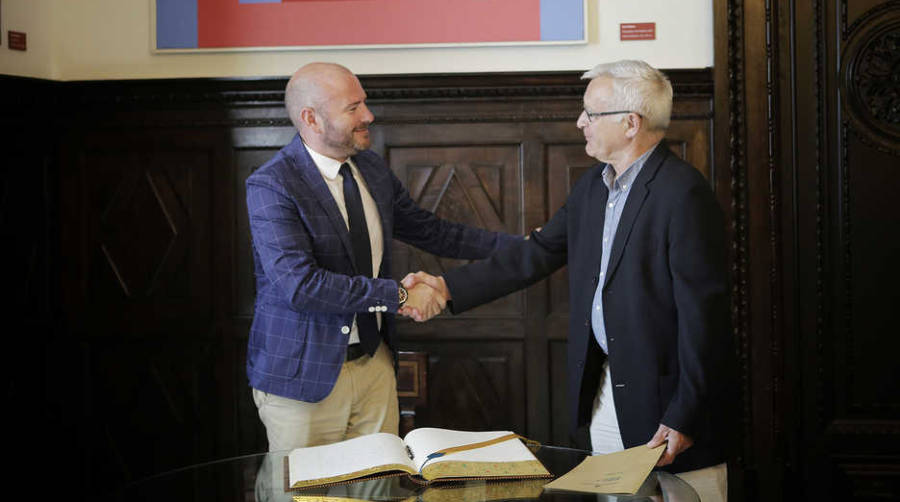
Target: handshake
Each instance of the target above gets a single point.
(428, 296)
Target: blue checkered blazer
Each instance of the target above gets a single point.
(307, 289)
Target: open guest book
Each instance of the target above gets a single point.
(425, 455)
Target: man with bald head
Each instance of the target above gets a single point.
(322, 213)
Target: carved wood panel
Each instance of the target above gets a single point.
(812, 145)
(474, 185)
(863, 423)
(473, 386)
(141, 236)
(149, 403)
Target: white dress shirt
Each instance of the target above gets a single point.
(335, 182)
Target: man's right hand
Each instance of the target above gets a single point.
(428, 296)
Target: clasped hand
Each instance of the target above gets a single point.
(428, 296)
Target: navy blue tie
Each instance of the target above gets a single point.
(362, 256)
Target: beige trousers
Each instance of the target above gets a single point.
(710, 483)
(363, 401)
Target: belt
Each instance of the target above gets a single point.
(354, 351)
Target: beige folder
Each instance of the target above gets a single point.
(620, 472)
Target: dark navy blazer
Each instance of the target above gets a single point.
(307, 287)
(665, 301)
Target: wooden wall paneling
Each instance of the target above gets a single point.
(145, 262)
(143, 205)
(812, 162)
(763, 264)
(475, 185)
(538, 329)
(797, 71)
(812, 144)
(454, 172)
(730, 128)
(152, 407)
(29, 229)
(862, 436)
(147, 287)
(473, 385)
(412, 387)
(217, 142)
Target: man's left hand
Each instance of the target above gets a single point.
(678, 442)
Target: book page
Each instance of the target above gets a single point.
(348, 459)
(505, 459)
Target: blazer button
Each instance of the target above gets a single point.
(345, 329)
(371, 309)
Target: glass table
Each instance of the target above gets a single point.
(260, 477)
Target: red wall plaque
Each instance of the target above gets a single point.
(637, 31)
(16, 40)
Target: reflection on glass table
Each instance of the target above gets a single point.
(261, 478)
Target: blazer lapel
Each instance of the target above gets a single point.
(599, 194)
(313, 178)
(633, 205)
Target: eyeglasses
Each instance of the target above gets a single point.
(592, 115)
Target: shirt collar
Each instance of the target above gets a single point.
(326, 165)
(627, 178)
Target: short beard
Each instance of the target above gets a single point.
(349, 147)
(358, 147)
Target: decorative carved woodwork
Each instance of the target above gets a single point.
(870, 81)
(812, 157)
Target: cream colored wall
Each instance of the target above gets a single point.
(111, 39)
(36, 19)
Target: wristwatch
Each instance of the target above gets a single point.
(404, 295)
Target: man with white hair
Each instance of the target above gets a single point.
(649, 347)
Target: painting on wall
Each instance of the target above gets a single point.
(216, 25)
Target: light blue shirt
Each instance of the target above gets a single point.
(619, 188)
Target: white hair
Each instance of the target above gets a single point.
(640, 88)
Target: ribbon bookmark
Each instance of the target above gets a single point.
(473, 446)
